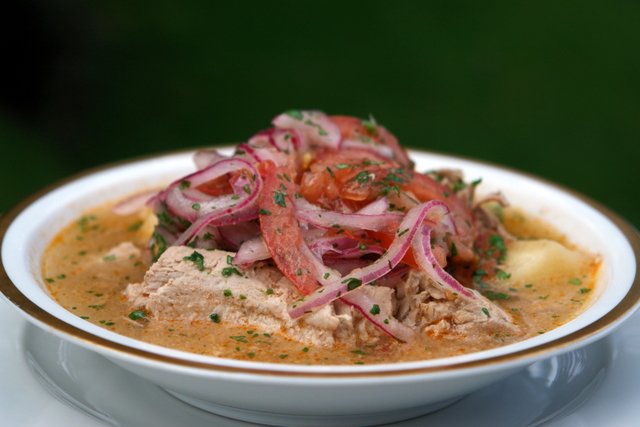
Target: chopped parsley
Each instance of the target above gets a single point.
(296, 114)
(363, 177)
(331, 172)
(502, 275)
(197, 258)
(352, 283)
(278, 198)
(496, 295)
(138, 314)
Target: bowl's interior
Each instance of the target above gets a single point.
(592, 228)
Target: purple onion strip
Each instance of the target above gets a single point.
(229, 209)
(354, 221)
(428, 263)
(401, 243)
(379, 315)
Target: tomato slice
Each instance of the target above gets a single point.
(280, 229)
(344, 180)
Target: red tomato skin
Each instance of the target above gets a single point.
(280, 229)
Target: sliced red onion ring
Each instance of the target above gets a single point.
(262, 139)
(190, 208)
(401, 243)
(346, 265)
(260, 154)
(206, 157)
(335, 243)
(360, 250)
(331, 219)
(377, 207)
(222, 210)
(216, 170)
(363, 302)
(134, 203)
(246, 210)
(315, 127)
(283, 139)
(251, 251)
(427, 262)
(207, 238)
(372, 146)
(233, 236)
(379, 315)
(305, 205)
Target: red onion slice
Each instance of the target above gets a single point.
(427, 262)
(398, 248)
(244, 211)
(222, 167)
(324, 244)
(379, 315)
(222, 210)
(315, 127)
(283, 139)
(377, 207)
(260, 154)
(371, 146)
(206, 157)
(262, 139)
(134, 203)
(233, 236)
(331, 219)
(251, 251)
(360, 250)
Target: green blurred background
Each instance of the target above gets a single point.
(552, 87)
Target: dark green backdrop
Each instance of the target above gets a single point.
(550, 87)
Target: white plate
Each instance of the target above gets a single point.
(45, 381)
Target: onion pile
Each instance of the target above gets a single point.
(334, 202)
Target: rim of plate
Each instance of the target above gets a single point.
(54, 318)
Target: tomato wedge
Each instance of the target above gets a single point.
(280, 229)
(344, 180)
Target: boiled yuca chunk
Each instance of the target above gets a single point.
(531, 260)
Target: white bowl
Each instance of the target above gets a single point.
(285, 394)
